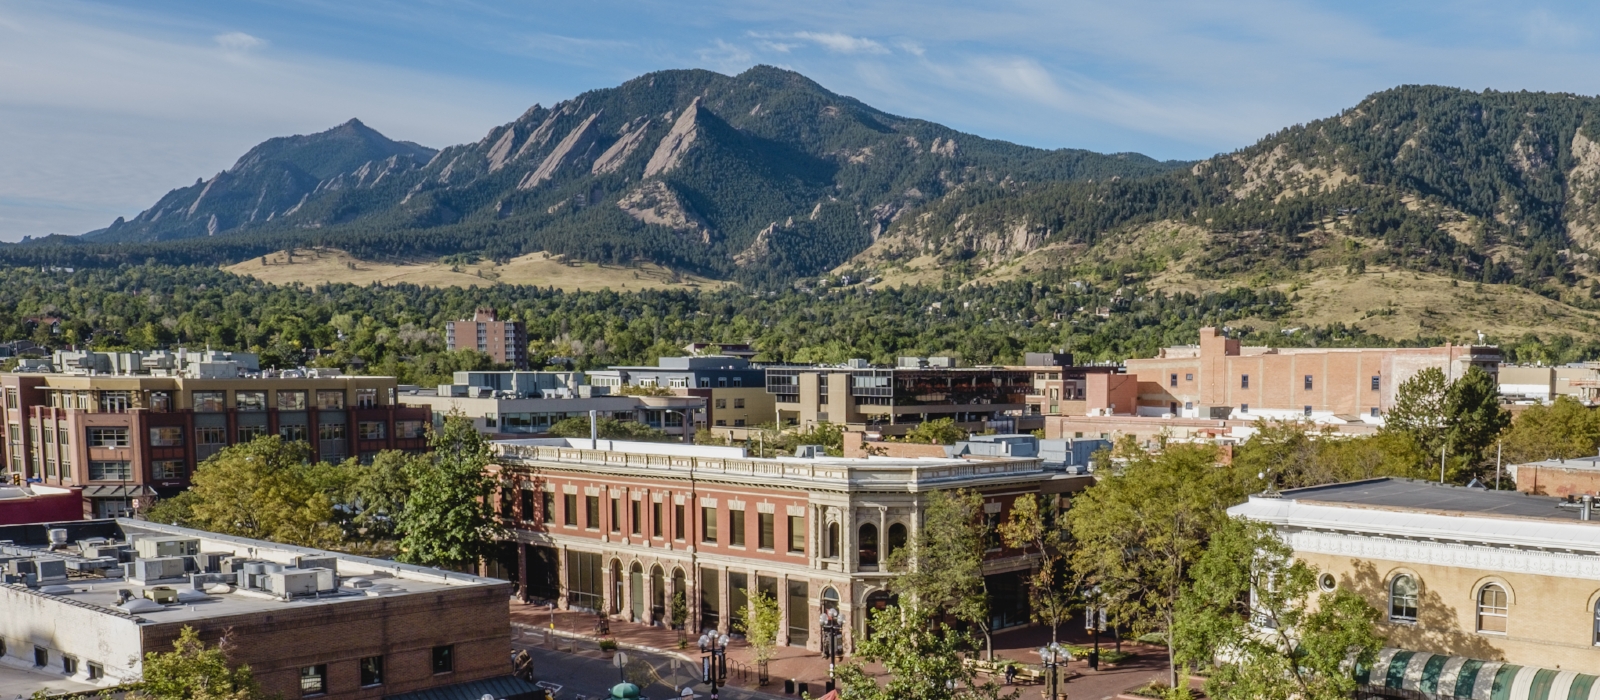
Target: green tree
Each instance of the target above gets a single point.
(608, 428)
(193, 671)
(939, 431)
(923, 658)
(1032, 528)
(265, 489)
(944, 564)
(1290, 454)
(1251, 614)
(449, 519)
(680, 610)
(1564, 429)
(378, 494)
(1140, 530)
(1420, 409)
(1475, 417)
(760, 627)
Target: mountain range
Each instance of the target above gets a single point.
(768, 178)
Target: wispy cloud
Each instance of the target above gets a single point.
(842, 43)
(239, 41)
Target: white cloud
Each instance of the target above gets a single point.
(841, 43)
(238, 41)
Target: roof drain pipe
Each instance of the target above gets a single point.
(594, 429)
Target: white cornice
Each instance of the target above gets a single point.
(1453, 554)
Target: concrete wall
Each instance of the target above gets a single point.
(29, 618)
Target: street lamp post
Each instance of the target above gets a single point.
(832, 635)
(1094, 620)
(1054, 656)
(714, 660)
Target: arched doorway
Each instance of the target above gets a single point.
(658, 596)
(877, 600)
(636, 591)
(897, 538)
(616, 588)
(680, 587)
(867, 552)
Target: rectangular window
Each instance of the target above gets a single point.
(738, 403)
(767, 537)
(799, 613)
(371, 430)
(570, 503)
(12, 399)
(330, 431)
(330, 400)
(168, 469)
(371, 671)
(96, 671)
(710, 598)
(525, 501)
(69, 665)
(635, 521)
(41, 656)
(366, 398)
(291, 433)
(591, 512)
(797, 534)
(1173, 381)
(1308, 382)
(1308, 411)
(251, 432)
(1244, 381)
(1375, 412)
(736, 528)
(160, 401)
(291, 400)
(212, 435)
(677, 522)
(708, 525)
(314, 679)
(115, 402)
(1244, 408)
(110, 470)
(49, 434)
(722, 403)
(250, 400)
(444, 659)
(616, 515)
(1375, 381)
(166, 437)
(655, 519)
(210, 401)
(108, 437)
(705, 382)
(1189, 377)
(408, 429)
(738, 381)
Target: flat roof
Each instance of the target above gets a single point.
(383, 578)
(1410, 494)
(1583, 463)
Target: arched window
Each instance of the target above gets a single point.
(897, 538)
(833, 540)
(658, 595)
(1403, 599)
(1492, 609)
(830, 599)
(868, 543)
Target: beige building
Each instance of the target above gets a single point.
(1537, 384)
(1499, 583)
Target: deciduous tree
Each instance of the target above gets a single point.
(1564, 429)
(449, 519)
(1033, 528)
(193, 671)
(265, 489)
(944, 564)
(923, 657)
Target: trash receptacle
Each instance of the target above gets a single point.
(805, 688)
(788, 687)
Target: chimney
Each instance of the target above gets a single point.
(594, 429)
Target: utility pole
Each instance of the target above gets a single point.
(1498, 448)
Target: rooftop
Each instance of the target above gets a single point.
(1583, 463)
(1410, 494)
(205, 587)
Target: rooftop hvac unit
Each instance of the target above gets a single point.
(210, 562)
(156, 569)
(317, 562)
(58, 535)
(50, 570)
(298, 582)
(151, 547)
(164, 595)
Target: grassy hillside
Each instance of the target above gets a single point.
(315, 266)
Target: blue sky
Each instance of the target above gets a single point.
(106, 106)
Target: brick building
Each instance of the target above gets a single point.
(1476, 589)
(506, 342)
(309, 623)
(125, 438)
(623, 527)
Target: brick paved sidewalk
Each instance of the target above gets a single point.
(801, 665)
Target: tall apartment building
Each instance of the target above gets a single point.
(506, 342)
(139, 431)
(1220, 379)
(623, 527)
(891, 400)
(309, 623)
(733, 389)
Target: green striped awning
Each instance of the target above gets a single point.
(1438, 676)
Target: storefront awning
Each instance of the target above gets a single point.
(1402, 673)
(118, 491)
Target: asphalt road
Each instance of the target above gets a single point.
(584, 675)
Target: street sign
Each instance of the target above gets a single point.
(620, 660)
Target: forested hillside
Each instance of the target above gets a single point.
(761, 177)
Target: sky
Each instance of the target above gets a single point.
(106, 106)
